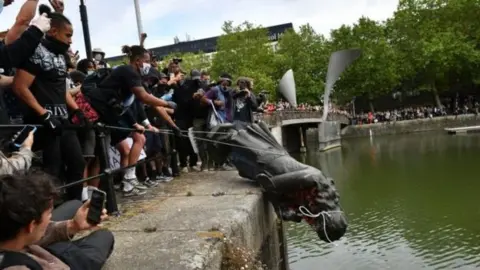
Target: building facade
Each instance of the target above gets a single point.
(208, 45)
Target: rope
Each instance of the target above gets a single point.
(160, 131)
(106, 172)
(304, 211)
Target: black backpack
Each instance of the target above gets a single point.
(10, 258)
(94, 80)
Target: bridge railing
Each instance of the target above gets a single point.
(273, 118)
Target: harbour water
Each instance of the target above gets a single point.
(411, 202)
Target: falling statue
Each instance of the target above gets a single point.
(297, 191)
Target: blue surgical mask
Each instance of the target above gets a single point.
(1, 5)
(90, 72)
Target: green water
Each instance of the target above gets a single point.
(411, 203)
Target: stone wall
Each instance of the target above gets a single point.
(201, 221)
(411, 126)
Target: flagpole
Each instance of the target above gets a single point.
(86, 31)
(139, 19)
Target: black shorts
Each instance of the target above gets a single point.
(87, 142)
(116, 135)
(154, 144)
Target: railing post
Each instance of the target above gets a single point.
(106, 183)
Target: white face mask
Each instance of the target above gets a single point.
(145, 69)
(1, 5)
(90, 72)
(97, 56)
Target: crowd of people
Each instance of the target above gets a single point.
(68, 102)
(470, 106)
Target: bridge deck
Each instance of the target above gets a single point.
(458, 130)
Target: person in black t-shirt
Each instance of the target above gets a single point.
(41, 83)
(112, 101)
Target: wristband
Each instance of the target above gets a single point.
(145, 122)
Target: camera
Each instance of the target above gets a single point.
(177, 60)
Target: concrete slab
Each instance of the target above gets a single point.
(172, 227)
(163, 250)
(195, 213)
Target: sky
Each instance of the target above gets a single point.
(112, 23)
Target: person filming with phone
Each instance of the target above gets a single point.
(35, 236)
(21, 160)
(244, 102)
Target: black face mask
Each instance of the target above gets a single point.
(55, 46)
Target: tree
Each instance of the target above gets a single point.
(306, 53)
(199, 61)
(375, 73)
(432, 43)
(243, 51)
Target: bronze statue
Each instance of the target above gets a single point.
(297, 191)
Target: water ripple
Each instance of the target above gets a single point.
(377, 240)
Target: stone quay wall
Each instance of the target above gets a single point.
(411, 126)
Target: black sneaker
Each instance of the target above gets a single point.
(166, 172)
(134, 192)
(163, 178)
(150, 183)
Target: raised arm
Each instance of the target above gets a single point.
(20, 50)
(24, 17)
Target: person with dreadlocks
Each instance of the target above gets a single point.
(113, 100)
(40, 83)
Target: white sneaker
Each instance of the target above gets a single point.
(134, 182)
(134, 192)
(194, 169)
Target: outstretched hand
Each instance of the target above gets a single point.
(57, 5)
(7, 3)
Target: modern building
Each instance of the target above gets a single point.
(208, 45)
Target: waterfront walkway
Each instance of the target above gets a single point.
(188, 224)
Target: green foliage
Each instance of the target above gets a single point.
(199, 61)
(375, 73)
(118, 62)
(434, 41)
(243, 50)
(306, 53)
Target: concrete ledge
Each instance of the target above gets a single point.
(176, 230)
(411, 126)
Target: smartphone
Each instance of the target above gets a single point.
(23, 135)
(97, 203)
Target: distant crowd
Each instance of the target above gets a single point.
(420, 112)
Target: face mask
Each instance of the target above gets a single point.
(207, 82)
(56, 45)
(1, 5)
(98, 57)
(90, 72)
(145, 69)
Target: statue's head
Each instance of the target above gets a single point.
(320, 207)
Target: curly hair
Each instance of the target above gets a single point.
(23, 199)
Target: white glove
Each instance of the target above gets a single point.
(42, 23)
